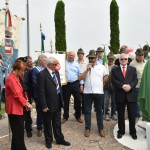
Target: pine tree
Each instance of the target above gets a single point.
(114, 27)
(60, 27)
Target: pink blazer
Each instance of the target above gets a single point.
(15, 100)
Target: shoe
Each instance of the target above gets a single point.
(87, 133)
(29, 134)
(39, 133)
(119, 136)
(107, 117)
(63, 120)
(114, 117)
(134, 136)
(80, 120)
(48, 145)
(102, 133)
(65, 143)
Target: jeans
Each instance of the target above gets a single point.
(109, 92)
(136, 90)
(98, 102)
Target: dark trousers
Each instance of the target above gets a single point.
(28, 121)
(39, 119)
(82, 101)
(72, 88)
(52, 124)
(17, 128)
(131, 108)
(98, 102)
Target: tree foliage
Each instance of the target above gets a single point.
(114, 27)
(60, 27)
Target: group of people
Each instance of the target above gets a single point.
(89, 82)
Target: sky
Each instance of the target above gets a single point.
(87, 23)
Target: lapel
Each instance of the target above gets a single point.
(127, 71)
(49, 76)
(120, 72)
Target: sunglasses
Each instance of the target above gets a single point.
(110, 59)
(91, 57)
(123, 59)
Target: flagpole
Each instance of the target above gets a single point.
(41, 36)
(28, 32)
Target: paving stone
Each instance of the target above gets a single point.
(73, 132)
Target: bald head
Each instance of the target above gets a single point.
(71, 56)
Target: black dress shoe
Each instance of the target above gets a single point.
(48, 145)
(119, 136)
(134, 136)
(29, 134)
(64, 143)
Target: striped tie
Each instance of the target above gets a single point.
(56, 82)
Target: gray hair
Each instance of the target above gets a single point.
(51, 60)
(41, 57)
(123, 55)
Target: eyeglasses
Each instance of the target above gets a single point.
(54, 64)
(91, 57)
(123, 59)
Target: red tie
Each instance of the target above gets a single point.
(124, 71)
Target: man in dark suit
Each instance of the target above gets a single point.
(28, 88)
(50, 101)
(124, 79)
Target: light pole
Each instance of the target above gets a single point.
(28, 32)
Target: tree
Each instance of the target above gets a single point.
(114, 27)
(60, 27)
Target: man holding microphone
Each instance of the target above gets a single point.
(94, 76)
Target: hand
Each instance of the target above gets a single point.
(81, 88)
(89, 66)
(45, 109)
(28, 107)
(126, 87)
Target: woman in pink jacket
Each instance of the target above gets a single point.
(16, 101)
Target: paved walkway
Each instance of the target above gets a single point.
(73, 132)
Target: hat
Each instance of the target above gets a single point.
(139, 51)
(122, 50)
(146, 48)
(80, 51)
(110, 54)
(99, 49)
(92, 53)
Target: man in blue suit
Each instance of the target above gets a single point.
(34, 72)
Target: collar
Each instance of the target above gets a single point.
(123, 66)
(49, 70)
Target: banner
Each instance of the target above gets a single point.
(9, 46)
(2, 27)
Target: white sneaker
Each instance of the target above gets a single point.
(107, 117)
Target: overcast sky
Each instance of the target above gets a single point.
(87, 23)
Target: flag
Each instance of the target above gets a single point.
(105, 61)
(8, 42)
(42, 41)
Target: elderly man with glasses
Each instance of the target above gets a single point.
(124, 80)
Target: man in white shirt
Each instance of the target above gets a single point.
(94, 77)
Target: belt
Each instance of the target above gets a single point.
(72, 82)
